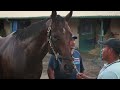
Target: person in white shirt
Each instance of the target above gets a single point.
(110, 54)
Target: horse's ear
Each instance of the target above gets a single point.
(68, 16)
(54, 14)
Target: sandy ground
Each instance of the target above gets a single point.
(92, 64)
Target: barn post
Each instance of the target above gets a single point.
(14, 26)
(10, 26)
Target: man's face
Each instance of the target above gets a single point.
(72, 43)
(105, 53)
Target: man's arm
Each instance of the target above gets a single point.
(50, 73)
(50, 70)
(83, 76)
(81, 65)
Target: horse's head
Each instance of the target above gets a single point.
(59, 36)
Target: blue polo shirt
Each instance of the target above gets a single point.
(54, 64)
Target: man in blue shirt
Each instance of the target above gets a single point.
(53, 66)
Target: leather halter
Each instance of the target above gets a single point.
(49, 38)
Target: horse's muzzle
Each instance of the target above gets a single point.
(68, 68)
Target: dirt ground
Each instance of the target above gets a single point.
(91, 62)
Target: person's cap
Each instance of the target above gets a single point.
(111, 42)
(74, 37)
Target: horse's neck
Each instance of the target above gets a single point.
(5, 40)
(36, 45)
(36, 53)
(44, 50)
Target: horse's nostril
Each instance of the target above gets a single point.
(68, 68)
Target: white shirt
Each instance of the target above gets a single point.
(110, 71)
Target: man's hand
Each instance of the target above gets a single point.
(50, 73)
(83, 76)
(80, 76)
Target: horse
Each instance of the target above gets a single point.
(22, 52)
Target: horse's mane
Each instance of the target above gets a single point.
(59, 19)
(34, 28)
(31, 30)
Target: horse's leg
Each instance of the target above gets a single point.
(33, 71)
(38, 72)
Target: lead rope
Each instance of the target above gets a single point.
(75, 67)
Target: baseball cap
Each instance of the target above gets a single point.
(74, 37)
(111, 42)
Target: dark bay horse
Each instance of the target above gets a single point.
(21, 52)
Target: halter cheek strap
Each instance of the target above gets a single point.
(50, 42)
(49, 38)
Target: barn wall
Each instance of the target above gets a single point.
(36, 20)
(7, 27)
(74, 23)
(115, 27)
(74, 28)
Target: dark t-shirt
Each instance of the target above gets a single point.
(54, 64)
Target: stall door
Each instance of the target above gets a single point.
(86, 37)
